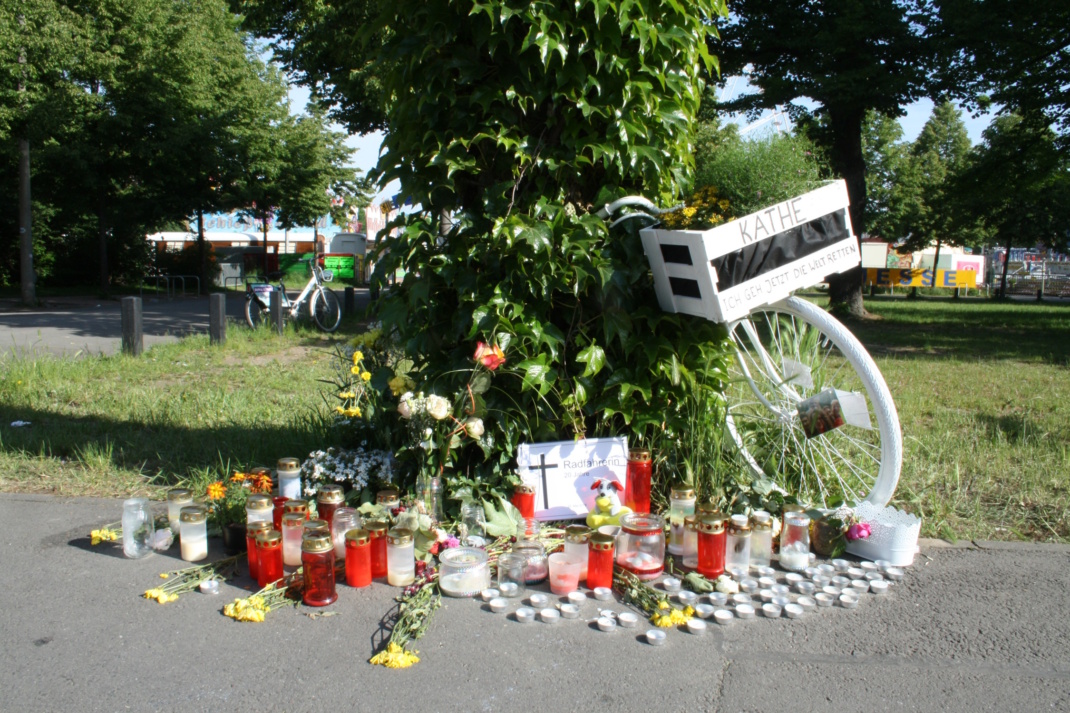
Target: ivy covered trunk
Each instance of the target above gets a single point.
(520, 120)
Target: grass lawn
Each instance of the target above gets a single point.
(982, 389)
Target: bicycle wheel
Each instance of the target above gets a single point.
(785, 354)
(326, 312)
(256, 313)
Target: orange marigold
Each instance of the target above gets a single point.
(239, 477)
(261, 483)
(216, 491)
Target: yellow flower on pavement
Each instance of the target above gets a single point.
(395, 657)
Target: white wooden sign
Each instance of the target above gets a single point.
(687, 282)
(562, 473)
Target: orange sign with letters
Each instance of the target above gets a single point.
(949, 279)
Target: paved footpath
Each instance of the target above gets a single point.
(983, 627)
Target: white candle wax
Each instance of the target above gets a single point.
(194, 549)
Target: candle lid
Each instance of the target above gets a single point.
(193, 513)
(255, 528)
(400, 536)
(261, 470)
(707, 506)
(293, 519)
(463, 559)
(330, 494)
(691, 523)
(600, 542)
(682, 492)
(524, 489)
(712, 523)
(376, 528)
(577, 534)
(761, 520)
(739, 523)
(317, 543)
(312, 526)
(300, 506)
(269, 538)
(179, 495)
(358, 536)
(258, 502)
(641, 455)
(387, 495)
(288, 464)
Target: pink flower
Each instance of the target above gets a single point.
(858, 531)
(489, 356)
(452, 541)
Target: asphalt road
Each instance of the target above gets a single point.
(975, 628)
(84, 326)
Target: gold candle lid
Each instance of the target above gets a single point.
(601, 542)
(761, 520)
(387, 495)
(288, 464)
(330, 494)
(258, 502)
(255, 528)
(682, 492)
(358, 536)
(376, 528)
(293, 519)
(691, 523)
(193, 513)
(400, 536)
(577, 534)
(269, 538)
(300, 506)
(641, 455)
(524, 489)
(711, 523)
(739, 524)
(179, 495)
(312, 526)
(317, 543)
(705, 507)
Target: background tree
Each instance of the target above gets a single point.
(885, 154)
(846, 56)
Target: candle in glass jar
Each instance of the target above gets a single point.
(710, 530)
(564, 573)
(276, 515)
(795, 542)
(296, 506)
(177, 498)
(641, 545)
(258, 509)
(345, 519)
(388, 498)
(400, 558)
(316, 527)
(253, 529)
(317, 566)
(576, 537)
(737, 543)
(637, 487)
(328, 500)
(377, 530)
(600, 561)
(194, 533)
(358, 545)
(269, 557)
(681, 505)
(689, 557)
(293, 526)
(288, 471)
(761, 539)
(524, 500)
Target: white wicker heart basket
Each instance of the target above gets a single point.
(893, 535)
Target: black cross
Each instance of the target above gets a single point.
(543, 467)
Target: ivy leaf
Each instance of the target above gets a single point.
(594, 357)
(502, 517)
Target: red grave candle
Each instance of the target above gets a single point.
(251, 531)
(524, 500)
(276, 515)
(377, 532)
(269, 557)
(600, 560)
(330, 498)
(637, 487)
(711, 545)
(358, 558)
(317, 563)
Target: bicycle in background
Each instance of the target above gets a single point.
(322, 304)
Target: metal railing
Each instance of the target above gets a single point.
(171, 283)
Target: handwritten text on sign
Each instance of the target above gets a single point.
(562, 473)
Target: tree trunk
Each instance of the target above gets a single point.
(936, 261)
(202, 252)
(845, 289)
(102, 238)
(264, 226)
(1006, 264)
(26, 274)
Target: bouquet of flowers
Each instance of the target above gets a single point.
(226, 499)
(831, 533)
(354, 468)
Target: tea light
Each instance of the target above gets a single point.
(771, 611)
(498, 604)
(811, 572)
(576, 598)
(723, 616)
(848, 601)
(655, 637)
(805, 587)
(569, 611)
(766, 582)
(704, 611)
(832, 591)
(821, 581)
(781, 590)
(868, 566)
(210, 587)
(687, 598)
(828, 570)
(860, 585)
(671, 584)
(882, 564)
(741, 598)
(781, 601)
(794, 559)
(823, 599)
(878, 586)
(718, 599)
(807, 603)
(696, 626)
(766, 595)
(840, 582)
(766, 572)
(874, 576)
(793, 611)
(509, 589)
(603, 594)
(894, 574)
(525, 615)
(608, 614)
(737, 573)
(748, 585)
(550, 616)
(606, 624)
(489, 594)
(856, 573)
(538, 600)
(841, 565)
(793, 578)
(627, 619)
(744, 611)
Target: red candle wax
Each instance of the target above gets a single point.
(276, 514)
(317, 564)
(377, 533)
(524, 500)
(358, 558)
(711, 545)
(600, 561)
(251, 531)
(637, 488)
(269, 557)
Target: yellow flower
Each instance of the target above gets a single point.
(238, 477)
(395, 657)
(152, 593)
(358, 357)
(678, 617)
(164, 598)
(339, 410)
(663, 604)
(400, 384)
(662, 621)
(352, 412)
(347, 395)
(216, 491)
(165, 575)
(355, 370)
(365, 376)
(96, 538)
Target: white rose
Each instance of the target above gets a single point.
(474, 427)
(438, 407)
(405, 405)
(726, 585)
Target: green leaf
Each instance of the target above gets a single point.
(502, 517)
(594, 357)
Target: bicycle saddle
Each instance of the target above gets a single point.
(275, 276)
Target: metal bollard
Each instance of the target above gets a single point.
(276, 310)
(133, 337)
(350, 304)
(217, 319)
